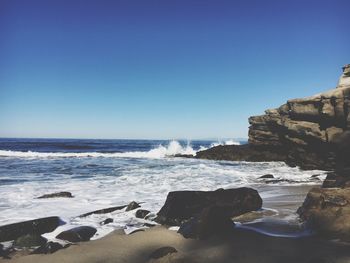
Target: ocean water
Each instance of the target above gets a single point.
(105, 173)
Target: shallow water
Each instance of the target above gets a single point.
(101, 174)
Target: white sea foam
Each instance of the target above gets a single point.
(173, 148)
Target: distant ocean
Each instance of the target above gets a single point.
(104, 173)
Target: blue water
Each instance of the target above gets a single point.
(104, 173)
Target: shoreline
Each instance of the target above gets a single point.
(242, 246)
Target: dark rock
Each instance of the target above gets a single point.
(161, 252)
(149, 225)
(213, 221)
(141, 213)
(37, 226)
(30, 240)
(78, 234)
(133, 205)
(327, 212)
(59, 194)
(334, 180)
(49, 248)
(4, 253)
(107, 221)
(267, 176)
(104, 211)
(182, 205)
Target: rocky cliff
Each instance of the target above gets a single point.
(312, 132)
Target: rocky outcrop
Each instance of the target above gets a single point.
(55, 195)
(312, 132)
(183, 205)
(32, 227)
(327, 211)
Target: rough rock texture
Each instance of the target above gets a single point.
(327, 211)
(182, 205)
(78, 234)
(37, 226)
(212, 221)
(312, 132)
(30, 240)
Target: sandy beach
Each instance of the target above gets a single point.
(242, 246)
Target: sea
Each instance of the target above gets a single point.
(106, 173)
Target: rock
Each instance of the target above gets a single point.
(133, 205)
(141, 213)
(149, 225)
(334, 180)
(4, 253)
(161, 252)
(103, 211)
(106, 221)
(312, 133)
(213, 221)
(78, 234)
(276, 181)
(136, 231)
(30, 240)
(327, 212)
(49, 248)
(267, 176)
(55, 195)
(182, 205)
(37, 227)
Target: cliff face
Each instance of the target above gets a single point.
(313, 133)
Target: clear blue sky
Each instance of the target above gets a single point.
(162, 69)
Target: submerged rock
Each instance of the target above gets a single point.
(267, 176)
(327, 211)
(78, 234)
(142, 213)
(106, 221)
(30, 240)
(104, 210)
(55, 195)
(34, 227)
(182, 205)
(133, 205)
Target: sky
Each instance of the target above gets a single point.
(162, 69)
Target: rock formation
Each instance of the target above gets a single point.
(312, 132)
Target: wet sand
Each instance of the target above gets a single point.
(242, 246)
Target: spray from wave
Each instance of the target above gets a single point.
(172, 149)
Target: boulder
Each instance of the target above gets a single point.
(30, 240)
(34, 227)
(182, 205)
(327, 212)
(78, 234)
(213, 221)
(133, 205)
(55, 195)
(49, 248)
(141, 213)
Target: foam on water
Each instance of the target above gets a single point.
(113, 179)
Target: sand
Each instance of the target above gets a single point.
(242, 246)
